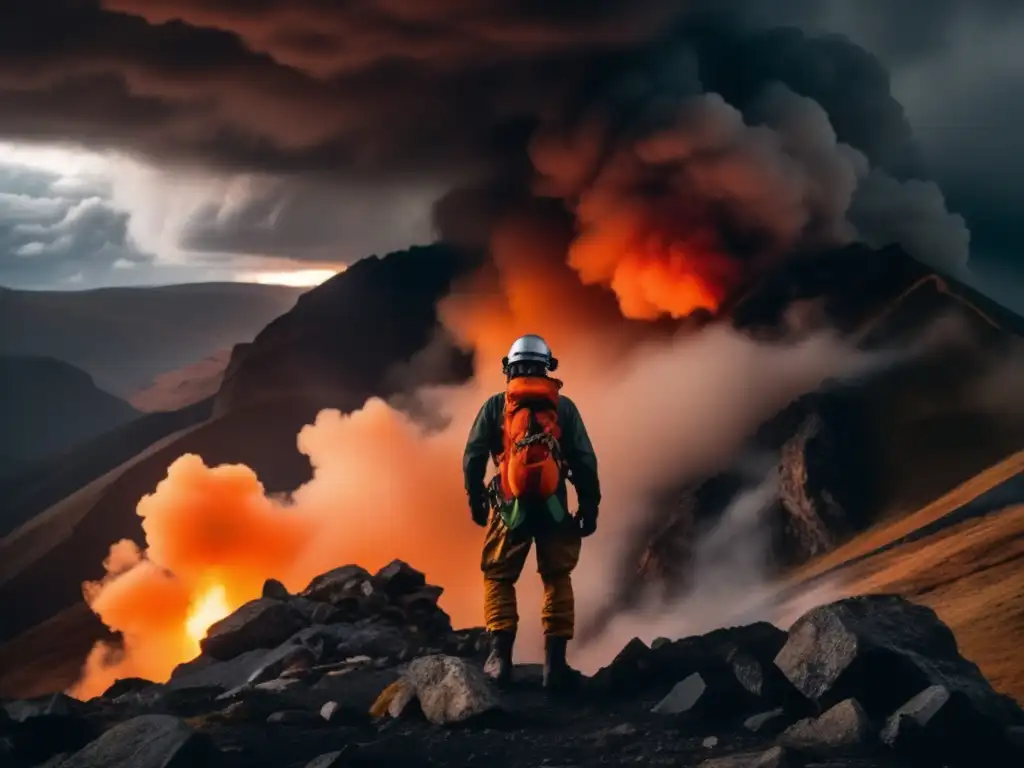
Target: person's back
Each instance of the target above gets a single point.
(536, 437)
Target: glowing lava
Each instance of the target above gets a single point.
(210, 607)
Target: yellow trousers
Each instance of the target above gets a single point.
(504, 555)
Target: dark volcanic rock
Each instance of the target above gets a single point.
(150, 741)
(631, 670)
(336, 585)
(40, 737)
(262, 623)
(330, 688)
(845, 726)
(939, 726)
(205, 671)
(398, 578)
(314, 611)
(53, 704)
(126, 686)
(707, 696)
(275, 590)
(882, 650)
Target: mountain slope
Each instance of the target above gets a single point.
(317, 355)
(185, 386)
(125, 337)
(48, 406)
(849, 457)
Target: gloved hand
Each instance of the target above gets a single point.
(586, 520)
(479, 508)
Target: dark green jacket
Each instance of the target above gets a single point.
(485, 440)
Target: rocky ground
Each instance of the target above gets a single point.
(363, 670)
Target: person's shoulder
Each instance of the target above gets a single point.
(569, 403)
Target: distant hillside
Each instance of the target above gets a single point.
(41, 484)
(183, 386)
(317, 355)
(47, 407)
(126, 337)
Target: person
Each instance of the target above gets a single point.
(537, 440)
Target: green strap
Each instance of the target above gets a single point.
(555, 508)
(513, 515)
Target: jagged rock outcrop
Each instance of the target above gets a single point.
(828, 690)
(840, 452)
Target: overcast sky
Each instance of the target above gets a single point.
(202, 142)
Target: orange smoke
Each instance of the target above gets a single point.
(381, 489)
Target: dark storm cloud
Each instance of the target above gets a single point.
(312, 220)
(438, 91)
(53, 232)
(392, 86)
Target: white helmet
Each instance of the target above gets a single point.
(530, 348)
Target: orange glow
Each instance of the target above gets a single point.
(656, 266)
(209, 608)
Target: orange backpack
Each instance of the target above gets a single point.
(530, 465)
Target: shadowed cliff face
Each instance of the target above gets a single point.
(850, 456)
(349, 337)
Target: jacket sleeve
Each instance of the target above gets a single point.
(580, 456)
(482, 437)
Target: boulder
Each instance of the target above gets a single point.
(376, 640)
(845, 726)
(882, 650)
(632, 669)
(262, 623)
(40, 737)
(705, 695)
(745, 654)
(761, 641)
(287, 656)
(149, 741)
(204, 671)
(313, 611)
(275, 590)
(447, 689)
(336, 585)
(398, 578)
(127, 685)
(942, 727)
(186, 701)
(473, 643)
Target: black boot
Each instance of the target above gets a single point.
(559, 677)
(499, 662)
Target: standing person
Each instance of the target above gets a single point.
(537, 440)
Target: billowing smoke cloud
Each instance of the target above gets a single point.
(415, 97)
